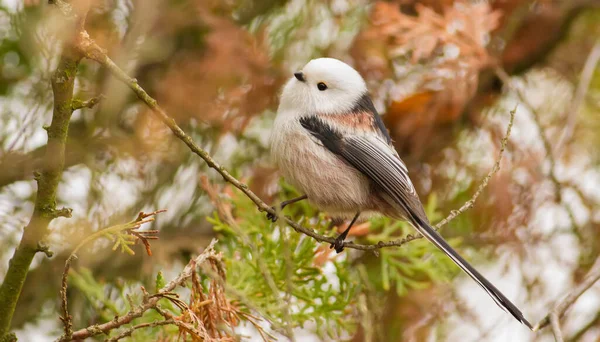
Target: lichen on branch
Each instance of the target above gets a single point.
(47, 179)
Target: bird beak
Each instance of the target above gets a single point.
(299, 76)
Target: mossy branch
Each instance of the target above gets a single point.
(47, 179)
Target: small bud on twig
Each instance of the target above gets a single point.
(62, 212)
(41, 247)
(78, 104)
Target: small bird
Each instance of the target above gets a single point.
(330, 143)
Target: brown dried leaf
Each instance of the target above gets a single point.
(464, 24)
(226, 81)
(450, 44)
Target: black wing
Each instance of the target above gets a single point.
(351, 150)
(365, 104)
(377, 160)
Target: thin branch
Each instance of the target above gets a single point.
(130, 331)
(108, 232)
(594, 323)
(561, 307)
(182, 325)
(582, 89)
(547, 148)
(92, 51)
(555, 322)
(503, 75)
(147, 304)
(469, 204)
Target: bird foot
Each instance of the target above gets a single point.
(272, 217)
(338, 244)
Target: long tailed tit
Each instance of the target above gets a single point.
(330, 143)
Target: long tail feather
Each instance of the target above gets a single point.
(504, 303)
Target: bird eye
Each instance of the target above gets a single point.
(322, 86)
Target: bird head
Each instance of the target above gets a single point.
(323, 86)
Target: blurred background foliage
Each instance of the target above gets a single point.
(217, 66)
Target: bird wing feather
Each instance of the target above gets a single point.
(378, 161)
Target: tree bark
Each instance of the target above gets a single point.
(47, 180)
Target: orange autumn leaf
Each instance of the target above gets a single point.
(440, 55)
(361, 229)
(416, 103)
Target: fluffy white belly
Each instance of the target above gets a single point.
(329, 182)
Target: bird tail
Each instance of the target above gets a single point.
(430, 234)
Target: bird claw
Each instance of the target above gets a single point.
(338, 244)
(271, 217)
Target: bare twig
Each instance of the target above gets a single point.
(469, 204)
(182, 325)
(594, 323)
(547, 148)
(501, 73)
(130, 331)
(561, 307)
(148, 302)
(555, 322)
(582, 89)
(138, 222)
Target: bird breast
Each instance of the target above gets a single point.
(330, 183)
